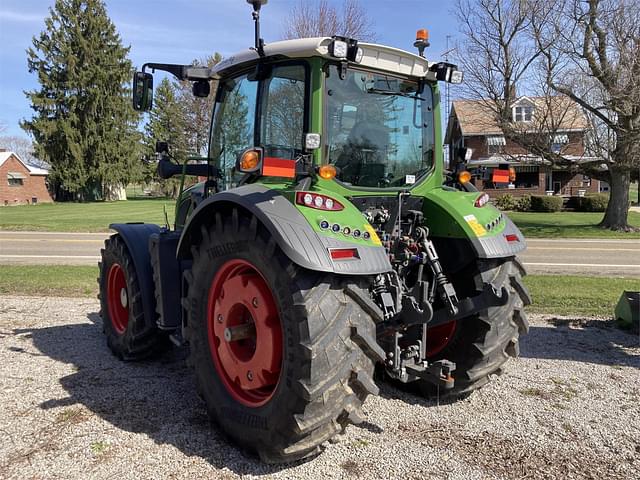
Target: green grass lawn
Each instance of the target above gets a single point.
(84, 217)
(49, 280)
(552, 294)
(96, 216)
(568, 225)
(577, 295)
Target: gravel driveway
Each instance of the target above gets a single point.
(568, 408)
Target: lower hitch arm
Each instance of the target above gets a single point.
(437, 373)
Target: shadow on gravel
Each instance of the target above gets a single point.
(155, 397)
(594, 341)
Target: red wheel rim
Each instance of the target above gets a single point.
(245, 335)
(117, 298)
(439, 337)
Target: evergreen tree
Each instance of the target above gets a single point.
(167, 123)
(84, 125)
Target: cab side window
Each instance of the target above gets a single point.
(233, 130)
(283, 112)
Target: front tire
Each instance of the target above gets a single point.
(483, 342)
(283, 380)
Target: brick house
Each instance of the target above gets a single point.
(21, 183)
(472, 125)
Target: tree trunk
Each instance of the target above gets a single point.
(615, 217)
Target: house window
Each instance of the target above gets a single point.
(558, 142)
(15, 179)
(495, 144)
(523, 114)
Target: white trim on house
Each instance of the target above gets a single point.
(559, 131)
(37, 171)
(496, 140)
(4, 156)
(16, 175)
(497, 159)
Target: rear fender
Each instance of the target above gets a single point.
(451, 215)
(136, 238)
(289, 228)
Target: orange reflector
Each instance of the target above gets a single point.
(278, 167)
(343, 253)
(422, 34)
(249, 161)
(464, 177)
(500, 176)
(327, 171)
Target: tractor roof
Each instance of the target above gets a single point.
(374, 56)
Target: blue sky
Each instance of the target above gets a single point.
(177, 31)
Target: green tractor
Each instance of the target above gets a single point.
(326, 240)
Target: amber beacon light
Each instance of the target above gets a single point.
(422, 40)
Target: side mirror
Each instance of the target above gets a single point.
(201, 89)
(162, 147)
(142, 91)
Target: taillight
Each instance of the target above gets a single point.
(482, 200)
(512, 237)
(343, 253)
(320, 202)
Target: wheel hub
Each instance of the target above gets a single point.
(117, 298)
(245, 335)
(123, 297)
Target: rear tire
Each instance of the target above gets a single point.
(315, 384)
(130, 335)
(483, 342)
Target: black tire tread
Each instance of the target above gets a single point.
(339, 373)
(491, 337)
(142, 338)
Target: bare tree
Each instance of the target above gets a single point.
(567, 52)
(197, 111)
(498, 55)
(320, 18)
(593, 57)
(23, 147)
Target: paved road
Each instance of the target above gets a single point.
(589, 257)
(584, 256)
(50, 248)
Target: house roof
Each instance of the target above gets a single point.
(4, 156)
(476, 117)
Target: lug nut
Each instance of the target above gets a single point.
(219, 318)
(250, 375)
(254, 302)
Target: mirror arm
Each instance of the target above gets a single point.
(181, 72)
